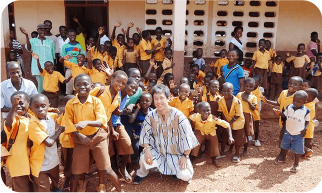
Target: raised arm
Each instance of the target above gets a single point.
(80, 26)
(34, 55)
(89, 60)
(118, 24)
(11, 114)
(27, 37)
(131, 24)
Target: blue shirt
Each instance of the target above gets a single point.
(137, 125)
(234, 76)
(116, 120)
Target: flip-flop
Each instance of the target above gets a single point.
(278, 161)
(124, 178)
(235, 159)
(293, 170)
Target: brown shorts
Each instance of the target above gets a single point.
(263, 73)
(301, 72)
(315, 82)
(239, 137)
(52, 97)
(42, 183)
(276, 78)
(21, 183)
(248, 127)
(123, 144)
(144, 65)
(67, 160)
(98, 149)
(212, 144)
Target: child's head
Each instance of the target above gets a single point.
(168, 79)
(108, 45)
(300, 98)
(23, 104)
(258, 80)
(158, 32)
(195, 69)
(49, 67)
(112, 51)
(175, 91)
(134, 73)
(12, 56)
(278, 59)
(184, 80)
(130, 43)
(261, 44)
(268, 44)
(227, 90)
(119, 80)
(72, 35)
(249, 85)
(168, 53)
(213, 87)
(294, 84)
(314, 36)
(199, 52)
(80, 59)
(131, 86)
(101, 49)
(232, 56)
(39, 105)
(34, 34)
(192, 77)
(223, 53)
(146, 35)
(204, 109)
(312, 93)
(207, 79)
(63, 30)
(301, 48)
(97, 64)
(136, 38)
(145, 100)
(184, 91)
(90, 41)
(142, 85)
(153, 77)
(82, 85)
(120, 38)
(248, 63)
(305, 84)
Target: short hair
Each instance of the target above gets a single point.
(112, 49)
(36, 96)
(145, 33)
(300, 94)
(312, 92)
(314, 33)
(184, 79)
(167, 76)
(131, 80)
(51, 23)
(249, 80)
(35, 33)
(213, 81)
(62, 26)
(146, 94)
(301, 44)
(96, 60)
(107, 42)
(234, 50)
(238, 27)
(160, 88)
(119, 73)
(71, 30)
(268, 41)
(82, 55)
(81, 76)
(203, 104)
(131, 70)
(223, 50)
(228, 84)
(158, 28)
(262, 40)
(20, 93)
(11, 63)
(209, 76)
(120, 35)
(183, 85)
(297, 78)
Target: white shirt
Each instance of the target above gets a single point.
(104, 39)
(7, 89)
(51, 158)
(295, 119)
(53, 38)
(59, 44)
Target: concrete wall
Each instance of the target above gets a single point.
(297, 19)
(29, 14)
(5, 40)
(126, 12)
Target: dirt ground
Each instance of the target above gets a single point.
(255, 173)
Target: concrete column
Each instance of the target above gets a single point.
(179, 38)
(5, 40)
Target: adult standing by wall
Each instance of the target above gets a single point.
(167, 139)
(236, 43)
(313, 47)
(16, 46)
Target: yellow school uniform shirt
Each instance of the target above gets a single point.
(120, 49)
(80, 38)
(37, 134)
(165, 64)
(261, 59)
(211, 97)
(145, 45)
(91, 110)
(76, 70)
(131, 57)
(310, 128)
(277, 68)
(256, 113)
(207, 127)
(159, 56)
(51, 81)
(185, 106)
(252, 98)
(220, 63)
(284, 100)
(95, 54)
(97, 76)
(65, 139)
(298, 61)
(235, 110)
(106, 99)
(18, 160)
(113, 64)
(137, 48)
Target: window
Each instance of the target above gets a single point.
(222, 13)
(167, 32)
(200, 2)
(167, 2)
(221, 23)
(151, 12)
(239, 3)
(269, 24)
(255, 3)
(198, 33)
(199, 12)
(271, 4)
(198, 43)
(268, 35)
(253, 24)
(220, 33)
(238, 13)
(270, 14)
(253, 14)
(237, 23)
(219, 43)
(167, 12)
(166, 22)
(223, 2)
(249, 54)
(198, 22)
(217, 53)
(251, 44)
(252, 34)
(151, 1)
(151, 22)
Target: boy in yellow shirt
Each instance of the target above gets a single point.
(204, 124)
(182, 102)
(85, 118)
(44, 159)
(16, 129)
(118, 42)
(167, 64)
(249, 103)
(159, 54)
(232, 111)
(51, 81)
(112, 60)
(222, 61)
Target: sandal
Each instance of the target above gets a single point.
(128, 179)
(278, 161)
(235, 159)
(293, 170)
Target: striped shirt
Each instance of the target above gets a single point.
(168, 139)
(17, 46)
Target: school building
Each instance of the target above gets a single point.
(191, 24)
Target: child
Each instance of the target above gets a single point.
(118, 42)
(222, 61)
(160, 53)
(204, 124)
(16, 129)
(112, 60)
(99, 73)
(310, 104)
(199, 60)
(44, 160)
(192, 80)
(200, 75)
(51, 81)
(249, 103)
(167, 63)
(97, 51)
(260, 59)
(182, 102)
(212, 96)
(297, 120)
(316, 80)
(184, 80)
(206, 81)
(131, 56)
(300, 61)
(258, 92)
(247, 67)
(232, 111)
(168, 80)
(136, 36)
(276, 80)
(84, 117)
(134, 73)
(305, 85)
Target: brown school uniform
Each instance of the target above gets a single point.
(261, 65)
(299, 67)
(130, 60)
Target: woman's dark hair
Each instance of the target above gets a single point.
(235, 30)
(160, 88)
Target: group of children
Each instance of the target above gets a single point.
(112, 83)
